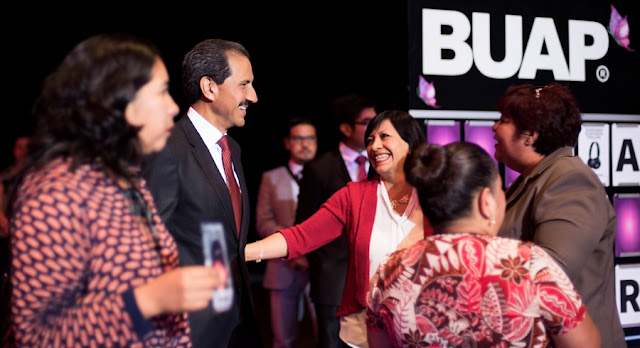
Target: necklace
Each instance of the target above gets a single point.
(139, 207)
(396, 202)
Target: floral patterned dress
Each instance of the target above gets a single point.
(467, 290)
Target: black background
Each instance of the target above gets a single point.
(303, 55)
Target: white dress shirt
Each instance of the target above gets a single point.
(349, 156)
(210, 136)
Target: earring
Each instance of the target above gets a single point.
(493, 220)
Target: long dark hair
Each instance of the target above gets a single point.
(80, 113)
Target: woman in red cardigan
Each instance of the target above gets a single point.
(378, 216)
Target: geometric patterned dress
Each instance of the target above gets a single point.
(78, 250)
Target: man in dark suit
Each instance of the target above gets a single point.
(321, 178)
(190, 185)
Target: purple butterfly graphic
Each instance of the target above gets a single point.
(427, 92)
(619, 29)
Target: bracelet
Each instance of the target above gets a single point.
(260, 256)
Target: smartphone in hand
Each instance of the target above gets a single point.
(215, 251)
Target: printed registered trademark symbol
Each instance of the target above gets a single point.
(602, 73)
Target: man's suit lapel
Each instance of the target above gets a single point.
(344, 173)
(208, 166)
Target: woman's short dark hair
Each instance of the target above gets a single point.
(552, 111)
(447, 178)
(80, 113)
(406, 126)
(207, 58)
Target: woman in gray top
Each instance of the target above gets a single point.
(557, 201)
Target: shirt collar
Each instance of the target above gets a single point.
(295, 167)
(547, 161)
(350, 154)
(204, 128)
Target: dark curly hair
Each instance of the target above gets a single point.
(552, 111)
(80, 112)
(447, 178)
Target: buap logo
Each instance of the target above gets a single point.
(543, 33)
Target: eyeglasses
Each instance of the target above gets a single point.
(364, 122)
(299, 139)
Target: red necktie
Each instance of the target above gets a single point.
(362, 171)
(234, 190)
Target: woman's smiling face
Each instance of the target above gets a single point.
(387, 150)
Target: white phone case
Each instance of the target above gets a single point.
(215, 249)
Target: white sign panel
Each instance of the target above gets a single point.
(625, 154)
(593, 148)
(628, 294)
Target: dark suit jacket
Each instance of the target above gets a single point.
(188, 189)
(321, 178)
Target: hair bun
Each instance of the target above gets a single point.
(426, 167)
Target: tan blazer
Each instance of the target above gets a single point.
(276, 210)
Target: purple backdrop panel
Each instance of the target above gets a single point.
(480, 133)
(509, 176)
(627, 207)
(442, 132)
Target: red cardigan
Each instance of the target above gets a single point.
(351, 209)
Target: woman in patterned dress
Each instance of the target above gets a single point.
(464, 286)
(92, 262)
